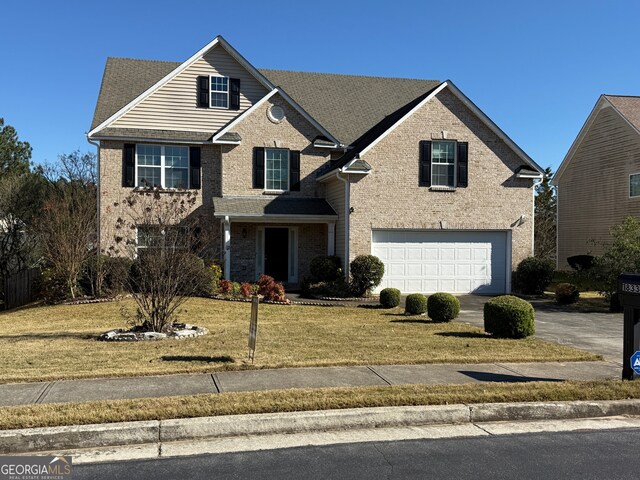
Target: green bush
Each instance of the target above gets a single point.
(338, 288)
(325, 268)
(442, 307)
(533, 275)
(416, 304)
(216, 276)
(390, 297)
(567, 293)
(366, 273)
(202, 276)
(509, 317)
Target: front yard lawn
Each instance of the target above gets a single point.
(58, 342)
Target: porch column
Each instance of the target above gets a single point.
(331, 239)
(227, 248)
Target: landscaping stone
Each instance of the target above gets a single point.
(179, 331)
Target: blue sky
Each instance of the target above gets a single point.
(536, 68)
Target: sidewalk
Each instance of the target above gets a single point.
(253, 380)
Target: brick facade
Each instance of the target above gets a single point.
(389, 197)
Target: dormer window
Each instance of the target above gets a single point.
(219, 92)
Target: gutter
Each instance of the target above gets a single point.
(347, 221)
(97, 145)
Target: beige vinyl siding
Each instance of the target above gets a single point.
(335, 197)
(173, 106)
(593, 191)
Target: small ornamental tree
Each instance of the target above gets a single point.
(163, 238)
(622, 255)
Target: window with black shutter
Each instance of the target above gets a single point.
(203, 91)
(194, 167)
(129, 165)
(463, 164)
(258, 167)
(294, 171)
(425, 164)
(234, 94)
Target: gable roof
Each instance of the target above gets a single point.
(628, 107)
(368, 99)
(389, 123)
(218, 41)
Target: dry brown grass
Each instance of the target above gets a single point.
(307, 399)
(58, 342)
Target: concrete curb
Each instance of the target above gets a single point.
(158, 432)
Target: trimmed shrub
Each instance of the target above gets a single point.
(246, 289)
(236, 288)
(225, 287)
(416, 304)
(366, 273)
(390, 297)
(533, 275)
(442, 307)
(202, 276)
(580, 262)
(567, 293)
(216, 276)
(509, 317)
(270, 290)
(325, 268)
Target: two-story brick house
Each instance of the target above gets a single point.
(292, 165)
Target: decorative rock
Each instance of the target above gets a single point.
(179, 331)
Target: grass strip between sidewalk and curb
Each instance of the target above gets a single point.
(163, 408)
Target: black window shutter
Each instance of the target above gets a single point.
(294, 171)
(194, 167)
(258, 167)
(463, 164)
(203, 91)
(128, 165)
(234, 94)
(425, 163)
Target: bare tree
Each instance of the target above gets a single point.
(66, 230)
(164, 239)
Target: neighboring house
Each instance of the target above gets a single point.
(598, 181)
(293, 165)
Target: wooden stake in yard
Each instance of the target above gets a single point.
(253, 327)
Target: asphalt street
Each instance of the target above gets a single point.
(603, 454)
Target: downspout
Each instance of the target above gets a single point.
(347, 211)
(97, 145)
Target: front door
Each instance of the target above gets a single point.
(276, 253)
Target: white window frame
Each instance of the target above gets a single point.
(163, 165)
(288, 170)
(211, 91)
(162, 232)
(632, 175)
(455, 163)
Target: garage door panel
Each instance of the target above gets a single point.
(452, 261)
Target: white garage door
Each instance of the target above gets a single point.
(442, 261)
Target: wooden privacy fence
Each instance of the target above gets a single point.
(19, 288)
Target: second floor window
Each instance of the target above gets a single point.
(219, 92)
(276, 169)
(443, 164)
(162, 166)
(634, 185)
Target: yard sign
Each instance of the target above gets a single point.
(253, 327)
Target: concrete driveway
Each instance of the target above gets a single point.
(596, 332)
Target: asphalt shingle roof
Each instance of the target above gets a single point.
(346, 105)
(280, 205)
(629, 107)
(145, 134)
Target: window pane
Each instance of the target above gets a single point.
(277, 169)
(176, 177)
(149, 177)
(443, 164)
(442, 152)
(634, 185)
(148, 154)
(176, 157)
(219, 100)
(219, 84)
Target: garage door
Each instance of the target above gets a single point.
(442, 261)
